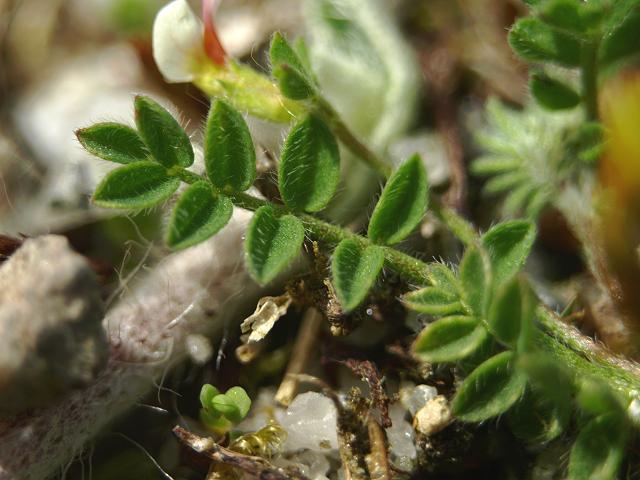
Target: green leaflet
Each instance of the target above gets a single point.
(459, 226)
(433, 301)
(491, 389)
(309, 166)
(163, 135)
(136, 185)
(511, 314)
(535, 41)
(475, 277)
(113, 142)
(545, 411)
(508, 245)
(449, 339)
(293, 79)
(597, 398)
(442, 277)
(621, 41)
(402, 204)
(198, 215)
(355, 270)
(553, 94)
(229, 155)
(574, 16)
(599, 448)
(536, 419)
(272, 243)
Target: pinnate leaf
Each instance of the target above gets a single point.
(599, 448)
(113, 142)
(450, 339)
(491, 389)
(163, 135)
(136, 185)
(433, 301)
(551, 93)
(272, 243)
(536, 41)
(310, 166)
(355, 269)
(508, 245)
(288, 69)
(229, 154)
(402, 204)
(199, 214)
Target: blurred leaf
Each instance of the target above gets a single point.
(599, 448)
(167, 141)
(136, 185)
(596, 397)
(198, 215)
(309, 166)
(491, 389)
(553, 94)
(511, 314)
(272, 243)
(113, 142)
(622, 40)
(433, 301)
(229, 155)
(402, 204)
(574, 16)
(475, 276)
(537, 419)
(508, 245)
(449, 339)
(535, 41)
(293, 78)
(459, 226)
(355, 270)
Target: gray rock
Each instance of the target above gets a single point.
(51, 336)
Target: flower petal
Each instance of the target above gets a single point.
(177, 41)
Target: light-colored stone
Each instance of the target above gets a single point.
(400, 435)
(310, 422)
(433, 417)
(414, 397)
(51, 335)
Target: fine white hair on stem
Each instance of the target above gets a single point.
(38, 444)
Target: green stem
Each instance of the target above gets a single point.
(590, 78)
(410, 268)
(584, 357)
(349, 139)
(565, 344)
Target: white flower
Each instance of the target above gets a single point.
(177, 41)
